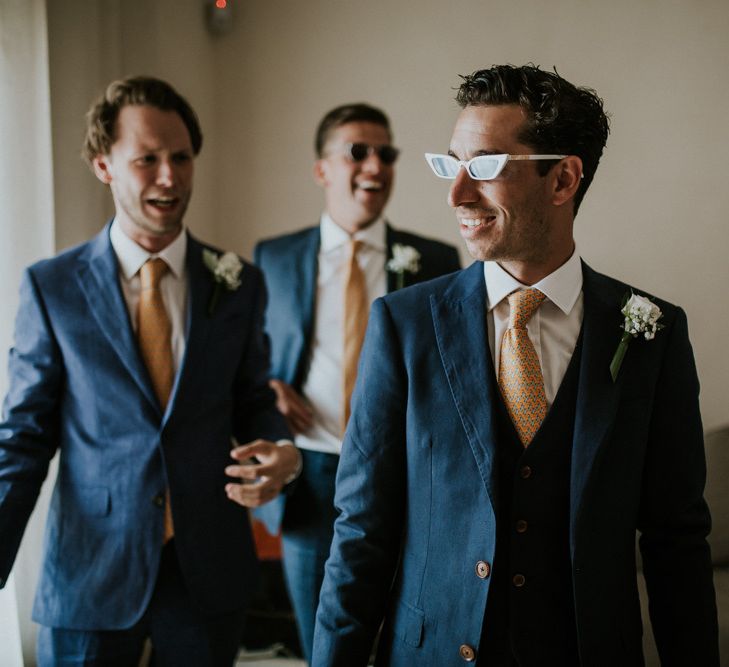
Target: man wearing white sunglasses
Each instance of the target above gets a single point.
(321, 281)
(503, 451)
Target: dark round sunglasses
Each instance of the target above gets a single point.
(357, 152)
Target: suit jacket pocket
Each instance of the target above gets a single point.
(408, 624)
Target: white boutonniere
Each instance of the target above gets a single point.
(226, 270)
(641, 317)
(405, 259)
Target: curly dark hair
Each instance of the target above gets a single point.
(136, 90)
(348, 113)
(561, 118)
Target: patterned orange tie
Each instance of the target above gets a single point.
(355, 323)
(154, 333)
(520, 374)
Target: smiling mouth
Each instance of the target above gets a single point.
(472, 223)
(163, 202)
(370, 186)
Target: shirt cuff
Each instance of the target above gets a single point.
(299, 464)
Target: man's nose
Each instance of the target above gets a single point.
(464, 190)
(372, 164)
(165, 173)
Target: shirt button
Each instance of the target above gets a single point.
(159, 500)
(467, 652)
(518, 580)
(483, 569)
(525, 472)
(521, 526)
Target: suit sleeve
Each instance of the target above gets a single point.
(370, 499)
(674, 519)
(256, 415)
(29, 427)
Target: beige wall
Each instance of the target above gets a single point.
(655, 216)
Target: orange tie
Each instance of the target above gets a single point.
(355, 323)
(520, 374)
(154, 333)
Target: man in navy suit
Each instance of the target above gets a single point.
(307, 275)
(148, 535)
(494, 527)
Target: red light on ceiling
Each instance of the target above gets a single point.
(221, 4)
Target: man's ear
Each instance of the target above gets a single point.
(320, 172)
(567, 179)
(102, 168)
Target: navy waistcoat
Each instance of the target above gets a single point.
(530, 617)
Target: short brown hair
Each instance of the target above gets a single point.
(136, 90)
(561, 117)
(348, 113)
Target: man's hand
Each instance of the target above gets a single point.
(292, 406)
(263, 468)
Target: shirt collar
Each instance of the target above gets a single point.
(562, 287)
(333, 236)
(132, 256)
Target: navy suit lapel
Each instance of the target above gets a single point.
(598, 396)
(200, 286)
(98, 279)
(459, 318)
(306, 267)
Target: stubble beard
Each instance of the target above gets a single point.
(518, 242)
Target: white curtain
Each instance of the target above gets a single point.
(26, 234)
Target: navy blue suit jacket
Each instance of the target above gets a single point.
(290, 267)
(417, 475)
(78, 385)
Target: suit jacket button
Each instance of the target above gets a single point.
(159, 500)
(521, 526)
(525, 472)
(483, 569)
(467, 652)
(518, 580)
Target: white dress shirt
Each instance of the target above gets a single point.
(323, 386)
(553, 329)
(173, 285)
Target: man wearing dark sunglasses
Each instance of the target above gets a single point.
(316, 278)
(504, 448)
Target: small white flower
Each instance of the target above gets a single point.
(405, 259)
(226, 268)
(641, 317)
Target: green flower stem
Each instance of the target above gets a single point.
(619, 355)
(400, 279)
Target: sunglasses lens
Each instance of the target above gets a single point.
(484, 167)
(445, 166)
(358, 152)
(388, 154)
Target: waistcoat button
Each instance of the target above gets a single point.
(521, 526)
(525, 472)
(518, 580)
